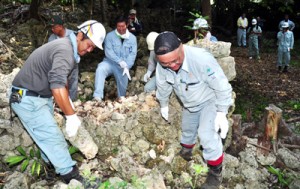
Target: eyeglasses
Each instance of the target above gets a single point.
(177, 60)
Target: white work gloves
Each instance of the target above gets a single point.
(124, 65)
(221, 123)
(165, 113)
(72, 125)
(147, 76)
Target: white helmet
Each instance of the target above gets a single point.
(285, 25)
(150, 40)
(200, 23)
(94, 30)
(254, 21)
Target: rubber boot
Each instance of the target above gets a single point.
(285, 69)
(214, 177)
(186, 153)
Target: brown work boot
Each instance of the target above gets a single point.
(214, 177)
(186, 153)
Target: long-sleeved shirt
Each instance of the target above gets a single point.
(285, 40)
(199, 80)
(152, 62)
(117, 51)
(254, 31)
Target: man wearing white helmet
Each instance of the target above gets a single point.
(150, 81)
(201, 31)
(285, 45)
(254, 31)
(120, 52)
(44, 76)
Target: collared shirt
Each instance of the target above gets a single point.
(199, 80)
(285, 40)
(117, 51)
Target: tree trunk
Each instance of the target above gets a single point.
(206, 10)
(34, 9)
(104, 8)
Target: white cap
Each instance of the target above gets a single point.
(94, 30)
(200, 23)
(132, 11)
(285, 25)
(254, 21)
(150, 40)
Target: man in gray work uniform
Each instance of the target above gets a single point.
(43, 76)
(205, 93)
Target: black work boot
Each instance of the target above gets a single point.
(74, 174)
(285, 69)
(214, 177)
(186, 153)
(279, 68)
(86, 182)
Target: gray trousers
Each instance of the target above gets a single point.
(203, 124)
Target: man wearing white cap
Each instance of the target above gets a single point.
(44, 76)
(201, 31)
(134, 25)
(285, 45)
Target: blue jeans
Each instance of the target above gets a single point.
(36, 115)
(105, 69)
(241, 37)
(203, 124)
(150, 85)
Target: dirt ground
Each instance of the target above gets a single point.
(258, 83)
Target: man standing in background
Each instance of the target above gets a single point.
(242, 24)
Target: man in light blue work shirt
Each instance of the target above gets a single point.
(120, 48)
(285, 45)
(200, 84)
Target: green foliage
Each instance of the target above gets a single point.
(108, 185)
(283, 180)
(199, 170)
(73, 150)
(137, 183)
(24, 159)
(25, 1)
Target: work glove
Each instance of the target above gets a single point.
(221, 123)
(126, 71)
(165, 113)
(123, 64)
(72, 125)
(147, 76)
